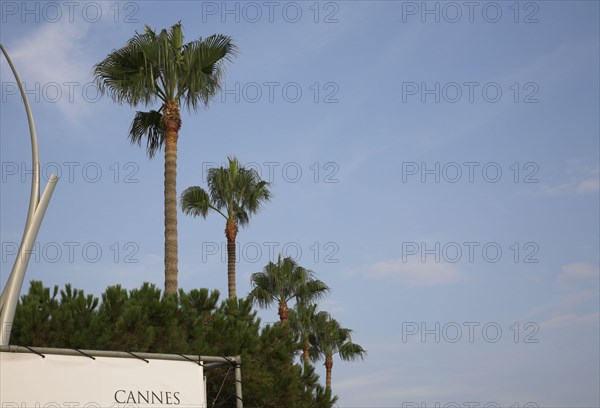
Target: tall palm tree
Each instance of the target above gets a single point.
(283, 281)
(153, 68)
(234, 192)
(330, 338)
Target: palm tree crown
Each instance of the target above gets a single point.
(160, 68)
(330, 338)
(283, 281)
(234, 192)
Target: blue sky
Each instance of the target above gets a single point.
(437, 164)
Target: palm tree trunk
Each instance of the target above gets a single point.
(306, 351)
(328, 367)
(172, 123)
(283, 312)
(231, 233)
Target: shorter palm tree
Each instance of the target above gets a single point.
(301, 321)
(234, 192)
(330, 338)
(282, 282)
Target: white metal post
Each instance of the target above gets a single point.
(35, 214)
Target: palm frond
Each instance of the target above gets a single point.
(262, 292)
(128, 74)
(147, 125)
(195, 201)
(351, 351)
(202, 68)
(313, 291)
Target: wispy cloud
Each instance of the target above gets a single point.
(580, 270)
(578, 275)
(54, 63)
(588, 186)
(577, 291)
(578, 282)
(52, 52)
(571, 319)
(582, 178)
(415, 273)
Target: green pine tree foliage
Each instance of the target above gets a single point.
(194, 322)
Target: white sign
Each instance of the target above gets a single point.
(57, 381)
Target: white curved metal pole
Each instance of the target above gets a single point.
(35, 213)
(34, 196)
(21, 262)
